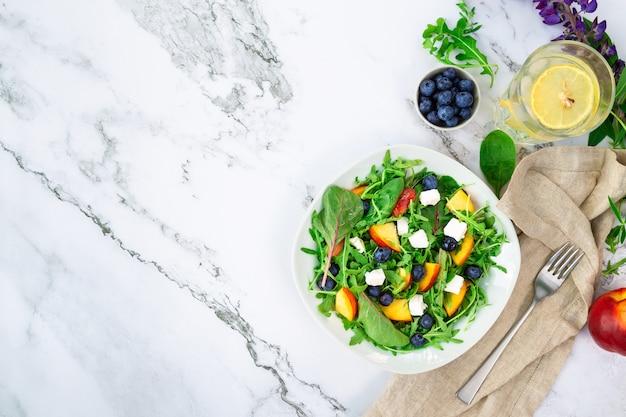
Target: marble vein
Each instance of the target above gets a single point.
(213, 294)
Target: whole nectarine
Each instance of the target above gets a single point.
(607, 321)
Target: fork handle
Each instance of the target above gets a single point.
(467, 392)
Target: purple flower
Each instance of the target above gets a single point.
(569, 13)
(607, 50)
(551, 14)
(596, 30)
(587, 6)
(551, 18)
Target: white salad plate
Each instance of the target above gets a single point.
(497, 285)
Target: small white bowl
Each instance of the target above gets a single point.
(461, 73)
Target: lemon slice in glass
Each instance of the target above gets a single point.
(563, 96)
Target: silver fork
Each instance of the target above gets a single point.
(548, 280)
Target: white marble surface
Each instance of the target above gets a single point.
(156, 158)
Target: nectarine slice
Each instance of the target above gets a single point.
(359, 190)
(338, 247)
(386, 235)
(460, 201)
(452, 301)
(398, 310)
(430, 276)
(464, 250)
(345, 303)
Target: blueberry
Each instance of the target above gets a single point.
(466, 85)
(426, 321)
(425, 105)
(382, 254)
(445, 113)
(385, 298)
(444, 83)
(449, 244)
(473, 271)
(444, 98)
(452, 122)
(333, 269)
(450, 73)
(418, 340)
(465, 113)
(373, 290)
(417, 272)
(427, 87)
(429, 182)
(366, 206)
(328, 286)
(433, 118)
(464, 99)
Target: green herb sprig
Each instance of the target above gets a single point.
(616, 237)
(457, 46)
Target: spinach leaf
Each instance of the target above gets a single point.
(448, 185)
(385, 200)
(378, 327)
(497, 159)
(342, 209)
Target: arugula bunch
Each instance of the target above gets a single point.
(457, 46)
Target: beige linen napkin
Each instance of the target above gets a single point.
(557, 194)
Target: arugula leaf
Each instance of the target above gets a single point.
(342, 210)
(442, 42)
(497, 159)
(378, 327)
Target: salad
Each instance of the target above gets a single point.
(400, 257)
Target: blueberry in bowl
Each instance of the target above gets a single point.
(447, 98)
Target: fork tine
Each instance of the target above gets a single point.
(573, 263)
(564, 260)
(554, 261)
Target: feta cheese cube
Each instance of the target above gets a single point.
(402, 226)
(357, 243)
(375, 277)
(455, 229)
(430, 197)
(454, 286)
(417, 305)
(419, 240)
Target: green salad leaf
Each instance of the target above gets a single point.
(342, 210)
(385, 200)
(378, 327)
